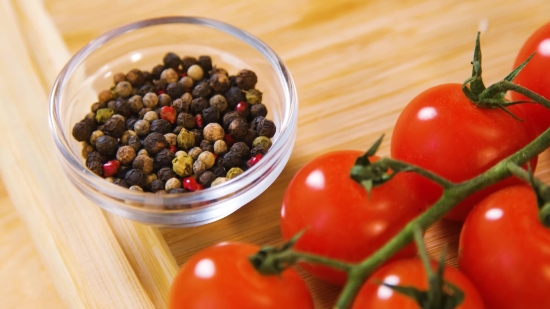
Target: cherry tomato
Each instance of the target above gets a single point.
(442, 131)
(221, 277)
(505, 250)
(339, 219)
(536, 77)
(410, 272)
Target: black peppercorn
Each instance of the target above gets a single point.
(130, 122)
(259, 149)
(233, 96)
(206, 178)
(95, 167)
(135, 177)
(218, 168)
(164, 159)
(266, 128)
(238, 129)
(232, 159)
(135, 77)
(246, 79)
(144, 111)
(219, 83)
(106, 145)
(241, 148)
(171, 60)
(144, 163)
(186, 120)
(154, 142)
(255, 124)
(145, 89)
(250, 136)
(166, 173)
(147, 76)
(258, 109)
(180, 106)
(111, 105)
(134, 142)
(164, 100)
(207, 146)
(210, 114)
(198, 105)
(96, 156)
(186, 62)
(82, 131)
(157, 70)
(157, 185)
(232, 81)
(114, 127)
(161, 126)
(122, 183)
(123, 171)
(229, 117)
(176, 190)
(205, 63)
(198, 136)
(174, 90)
(177, 130)
(135, 103)
(202, 89)
(95, 107)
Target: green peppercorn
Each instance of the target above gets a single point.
(262, 140)
(242, 149)
(207, 146)
(174, 90)
(187, 83)
(105, 96)
(82, 131)
(171, 138)
(136, 77)
(202, 89)
(253, 96)
(208, 158)
(142, 127)
(186, 120)
(205, 63)
(86, 149)
(246, 79)
(194, 152)
(198, 105)
(187, 62)
(114, 127)
(119, 77)
(169, 76)
(229, 117)
(154, 143)
(218, 181)
(257, 110)
(106, 145)
(238, 129)
(124, 89)
(171, 60)
(135, 103)
(161, 126)
(186, 139)
(231, 159)
(220, 147)
(135, 142)
(150, 100)
(125, 136)
(198, 167)
(213, 132)
(266, 128)
(164, 158)
(195, 72)
(234, 172)
(219, 83)
(166, 173)
(183, 166)
(150, 116)
(144, 163)
(164, 100)
(103, 114)
(157, 185)
(135, 177)
(172, 183)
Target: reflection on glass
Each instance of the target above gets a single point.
(316, 180)
(205, 269)
(135, 57)
(494, 214)
(383, 291)
(427, 113)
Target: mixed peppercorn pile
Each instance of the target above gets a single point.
(184, 126)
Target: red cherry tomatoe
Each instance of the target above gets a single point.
(111, 168)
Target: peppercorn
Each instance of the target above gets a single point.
(123, 89)
(144, 163)
(213, 132)
(157, 71)
(157, 185)
(218, 102)
(82, 131)
(253, 96)
(143, 152)
(229, 117)
(149, 179)
(218, 181)
(210, 115)
(164, 159)
(145, 89)
(161, 126)
(243, 109)
(186, 139)
(135, 103)
(135, 177)
(186, 120)
(207, 146)
(142, 127)
(228, 140)
(119, 77)
(172, 183)
(125, 136)
(220, 147)
(96, 167)
(162, 192)
(255, 124)
(154, 143)
(177, 130)
(198, 105)
(255, 159)
(198, 121)
(218, 168)
(130, 122)
(171, 138)
(150, 100)
(144, 111)
(183, 165)
(187, 83)
(134, 142)
(262, 140)
(136, 188)
(95, 107)
(121, 183)
(219, 82)
(125, 155)
(194, 152)
(175, 191)
(234, 172)
(198, 136)
(171, 60)
(111, 105)
(238, 129)
(206, 178)
(195, 72)
(114, 127)
(110, 179)
(165, 99)
(266, 128)
(198, 167)
(231, 159)
(105, 96)
(111, 168)
(202, 89)
(216, 70)
(174, 90)
(208, 158)
(246, 79)
(205, 63)
(187, 62)
(258, 150)
(106, 145)
(147, 76)
(186, 99)
(242, 149)
(180, 153)
(169, 76)
(168, 113)
(150, 116)
(136, 77)
(258, 110)
(86, 149)
(250, 137)
(234, 95)
(166, 173)
(96, 156)
(179, 106)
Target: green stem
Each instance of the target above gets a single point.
(400, 166)
(419, 240)
(321, 260)
(504, 86)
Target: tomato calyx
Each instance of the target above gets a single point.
(542, 191)
(367, 174)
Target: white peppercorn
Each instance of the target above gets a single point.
(150, 116)
(194, 152)
(213, 132)
(208, 158)
(219, 102)
(195, 72)
(199, 167)
(164, 100)
(124, 89)
(150, 178)
(150, 100)
(136, 188)
(141, 127)
(126, 135)
(144, 163)
(95, 135)
(218, 181)
(171, 138)
(143, 152)
(125, 155)
(220, 147)
(170, 75)
(86, 149)
(181, 153)
(172, 183)
(187, 82)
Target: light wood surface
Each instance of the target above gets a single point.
(355, 63)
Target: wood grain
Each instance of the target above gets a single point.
(355, 63)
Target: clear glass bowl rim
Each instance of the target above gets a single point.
(286, 129)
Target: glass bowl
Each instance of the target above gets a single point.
(142, 45)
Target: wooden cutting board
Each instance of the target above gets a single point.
(356, 64)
